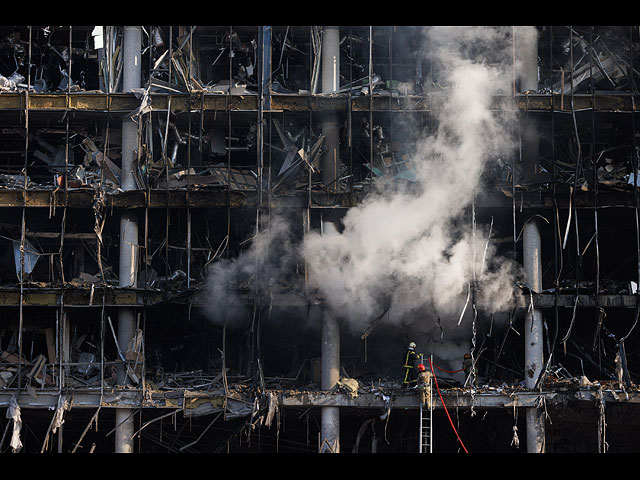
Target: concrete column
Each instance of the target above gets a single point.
(330, 66)
(526, 51)
(124, 430)
(330, 59)
(330, 416)
(533, 333)
(132, 77)
(330, 166)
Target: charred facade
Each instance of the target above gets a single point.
(222, 239)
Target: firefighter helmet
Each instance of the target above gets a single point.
(412, 345)
(421, 368)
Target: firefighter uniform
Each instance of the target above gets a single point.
(424, 381)
(409, 362)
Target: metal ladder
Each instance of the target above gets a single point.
(426, 416)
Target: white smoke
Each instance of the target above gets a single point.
(413, 253)
(270, 254)
(417, 253)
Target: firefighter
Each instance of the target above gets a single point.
(424, 380)
(469, 369)
(409, 361)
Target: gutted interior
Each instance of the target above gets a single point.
(223, 239)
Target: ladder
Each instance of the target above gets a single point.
(426, 417)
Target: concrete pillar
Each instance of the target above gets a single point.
(533, 333)
(526, 52)
(330, 416)
(330, 66)
(330, 59)
(132, 77)
(124, 430)
(330, 167)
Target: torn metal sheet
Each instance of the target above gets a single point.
(184, 72)
(98, 37)
(235, 409)
(273, 408)
(111, 171)
(289, 147)
(36, 371)
(145, 103)
(58, 419)
(5, 378)
(134, 349)
(130, 372)
(13, 413)
(31, 256)
(240, 179)
(88, 361)
(598, 67)
(61, 159)
(361, 433)
(66, 83)
(296, 157)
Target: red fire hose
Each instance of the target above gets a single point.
(445, 407)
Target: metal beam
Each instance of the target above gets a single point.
(82, 296)
(211, 197)
(127, 398)
(548, 300)
(182, 102)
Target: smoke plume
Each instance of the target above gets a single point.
(270, 256)
(418, 254)
(414, 254)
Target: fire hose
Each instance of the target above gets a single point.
(445, 407)
(448, 371)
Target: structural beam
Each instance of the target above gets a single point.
(122, 103)
(219, 197)
(195, 403)
(86, 296)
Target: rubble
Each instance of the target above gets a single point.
(350, 385)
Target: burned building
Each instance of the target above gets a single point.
(223, 239)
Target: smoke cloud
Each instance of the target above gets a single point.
(270, 256)
(413, 253)
(416, 253)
